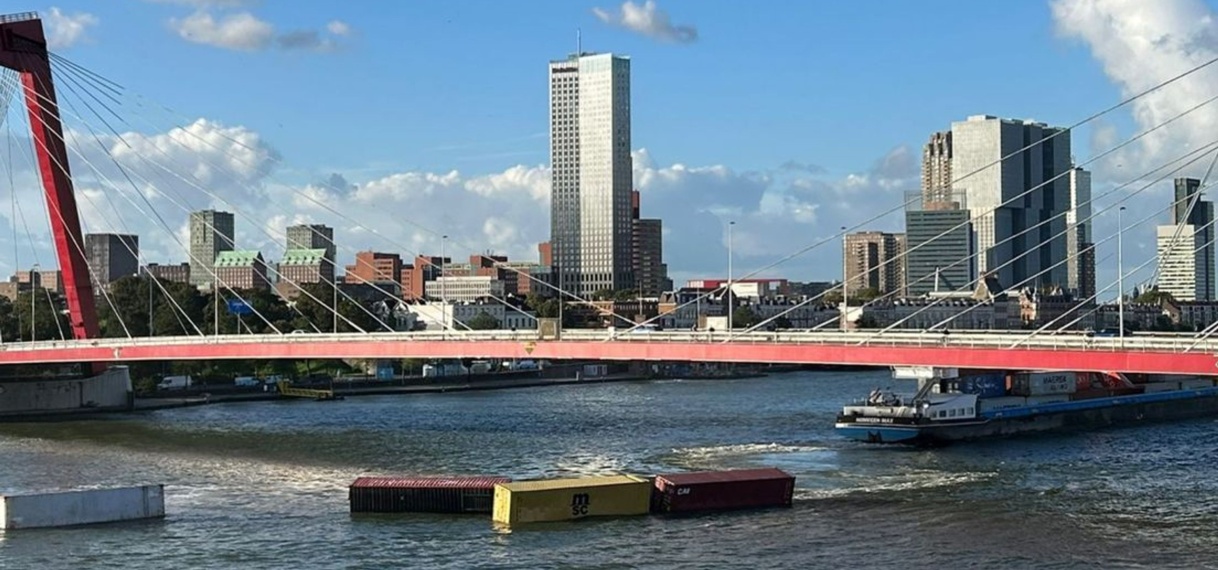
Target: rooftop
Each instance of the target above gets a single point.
(238, 258)
(303, 257)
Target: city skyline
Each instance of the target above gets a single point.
(695, 183)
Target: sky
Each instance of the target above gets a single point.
(400, 122)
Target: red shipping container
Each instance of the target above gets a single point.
(722, 490)
(423, 494)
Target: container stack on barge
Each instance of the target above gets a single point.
(953, 405)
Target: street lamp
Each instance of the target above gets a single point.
(1120, 277)
(845, 283)
(728, 295)
(443, 286)
(33, 296)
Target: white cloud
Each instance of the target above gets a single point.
(339, 28)
(242, 31)
(649, 20)
(65, 30)
(1140, 45)
(208, 3)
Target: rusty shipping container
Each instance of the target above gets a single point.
(722, 490)
(423, 494)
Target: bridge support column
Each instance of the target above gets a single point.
(23, 49)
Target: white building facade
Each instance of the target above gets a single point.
(464, 288)
(457, 316)
(1183, 267)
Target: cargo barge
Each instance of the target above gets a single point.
(952, 405)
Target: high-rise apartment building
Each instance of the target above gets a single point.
(591, 172)
(1014, 177)
(111, 256)
(875, 260)
(1186, 248)
(211, 232)
(1080, 249)
(314, 236)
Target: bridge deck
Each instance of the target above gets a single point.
(1166, 353)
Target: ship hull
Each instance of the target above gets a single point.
(1067, 416)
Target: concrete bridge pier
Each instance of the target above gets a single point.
(106, 392)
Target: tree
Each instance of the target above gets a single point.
(625, 295)
(833, 297)
(865, 294)
(1154, 296)
(744, 317)
(314, 311)
(782, 322)
(51, 320)
(483, 322)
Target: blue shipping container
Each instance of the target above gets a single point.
(984, 386)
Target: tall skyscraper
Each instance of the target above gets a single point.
(111, 256)
(591, 172)
(875, 260)
(314, 236)
(1080, 252)
(1186, 248)
(1016, 194)
(211, 232)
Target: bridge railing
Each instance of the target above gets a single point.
(972, 339)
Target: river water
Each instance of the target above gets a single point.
(263, 485)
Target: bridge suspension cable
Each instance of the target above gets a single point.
(229, 154)
(74, 243)
(1200, 154)
(357, 223)
(837, 236)
(968, 259)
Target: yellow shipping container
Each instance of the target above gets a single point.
(567, 499)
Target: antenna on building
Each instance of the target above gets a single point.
(579, 42)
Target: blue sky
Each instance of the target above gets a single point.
(434, 113)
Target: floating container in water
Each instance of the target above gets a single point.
(423, 494)
(567, 499)
(722, 490)
(71, 508)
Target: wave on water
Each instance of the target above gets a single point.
(740, 455)
(909, 481)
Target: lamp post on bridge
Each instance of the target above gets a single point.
(443, 288)
(845, 318)
(1120, 277)
(33, 316)
(728, 294)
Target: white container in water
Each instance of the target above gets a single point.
(70, 508)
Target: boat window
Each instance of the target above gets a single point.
(970, 411)
(952, 413)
